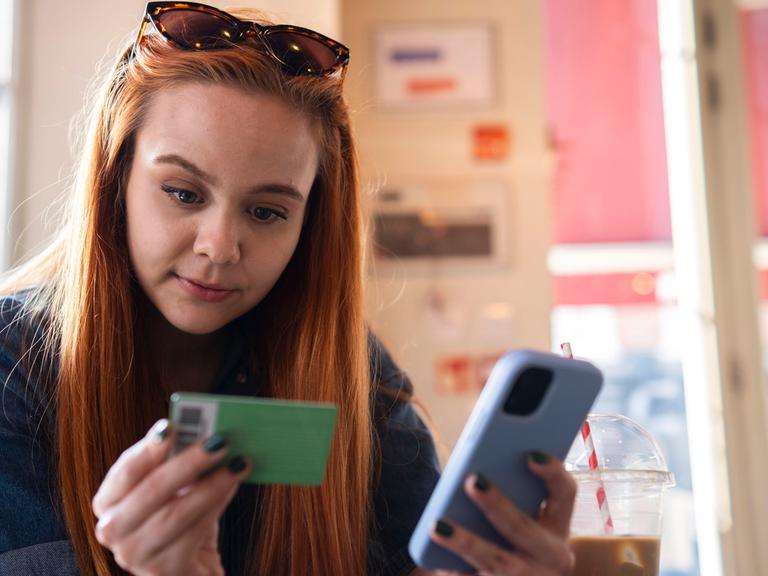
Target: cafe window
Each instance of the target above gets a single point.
(612, 262)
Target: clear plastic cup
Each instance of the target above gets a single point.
(634, 475)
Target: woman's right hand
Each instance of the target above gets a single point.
(160, 515)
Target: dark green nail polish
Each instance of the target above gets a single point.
(236, 465)
(539, 457)
(444, 529)
(214, 443)
(161, 432)
(481, 483)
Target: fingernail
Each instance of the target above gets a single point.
(539, 457)
(481, 483)
(444, 529)
(214, 443)
(161, 432)
(236, 465)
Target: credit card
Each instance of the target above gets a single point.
(287, 442)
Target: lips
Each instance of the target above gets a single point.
(206, 285)
(204, 291)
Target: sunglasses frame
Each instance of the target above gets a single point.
(244, 30)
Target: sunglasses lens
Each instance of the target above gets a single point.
(301, 54)
(196, 29)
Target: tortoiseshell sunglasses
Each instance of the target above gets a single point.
(192, 26)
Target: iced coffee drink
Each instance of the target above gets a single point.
(616, 524)
(616, 555)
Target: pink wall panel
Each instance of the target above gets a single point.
(755, 43)
(605, 112)
(607, 289)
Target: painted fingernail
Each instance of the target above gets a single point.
(539, 457)
(162, 430)
(443, 528)
(236, 465)
(214, 443)
(481, 483)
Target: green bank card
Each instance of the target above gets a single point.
(287, 442)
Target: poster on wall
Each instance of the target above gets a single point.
(429, 66)
(461, 222)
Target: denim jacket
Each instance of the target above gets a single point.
(33, 538)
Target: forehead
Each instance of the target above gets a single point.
(228, 129)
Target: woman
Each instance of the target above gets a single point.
(213, 243)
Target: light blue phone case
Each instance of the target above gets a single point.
(497, 444)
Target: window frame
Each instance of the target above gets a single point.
(714, 241)
(717, 245)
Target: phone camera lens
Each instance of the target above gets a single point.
(528, 391)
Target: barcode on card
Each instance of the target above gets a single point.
(193, 421)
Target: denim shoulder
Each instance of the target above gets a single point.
(24, 361)
(392, 388)
(408, 464)
(28, 506)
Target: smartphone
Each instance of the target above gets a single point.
(532, 401)
(287, 442)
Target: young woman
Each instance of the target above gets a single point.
(213, 243)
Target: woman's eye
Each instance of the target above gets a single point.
(267, 214)
(183, 196)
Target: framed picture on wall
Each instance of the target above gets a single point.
(450, 221)
(434, 66)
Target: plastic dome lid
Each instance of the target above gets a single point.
(625, 450)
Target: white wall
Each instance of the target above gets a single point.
(62, 44)
(405, 147)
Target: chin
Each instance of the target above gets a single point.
(197, 324)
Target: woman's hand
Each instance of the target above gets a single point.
(160, 516)
(540, 546)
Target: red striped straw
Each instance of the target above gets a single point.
(586, 434)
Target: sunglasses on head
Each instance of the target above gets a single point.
(191, 26)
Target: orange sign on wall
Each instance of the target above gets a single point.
(491, 142)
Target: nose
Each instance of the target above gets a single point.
(218, 239)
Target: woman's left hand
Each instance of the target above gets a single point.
(540, 545)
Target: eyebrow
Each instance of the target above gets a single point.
(269, 188)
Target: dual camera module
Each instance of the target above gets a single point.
(528, 391)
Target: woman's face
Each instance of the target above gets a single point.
(215, 201)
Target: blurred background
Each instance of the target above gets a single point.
(535, 171)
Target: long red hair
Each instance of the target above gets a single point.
(315, 344)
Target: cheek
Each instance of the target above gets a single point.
(270, 258)
(151, 238)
